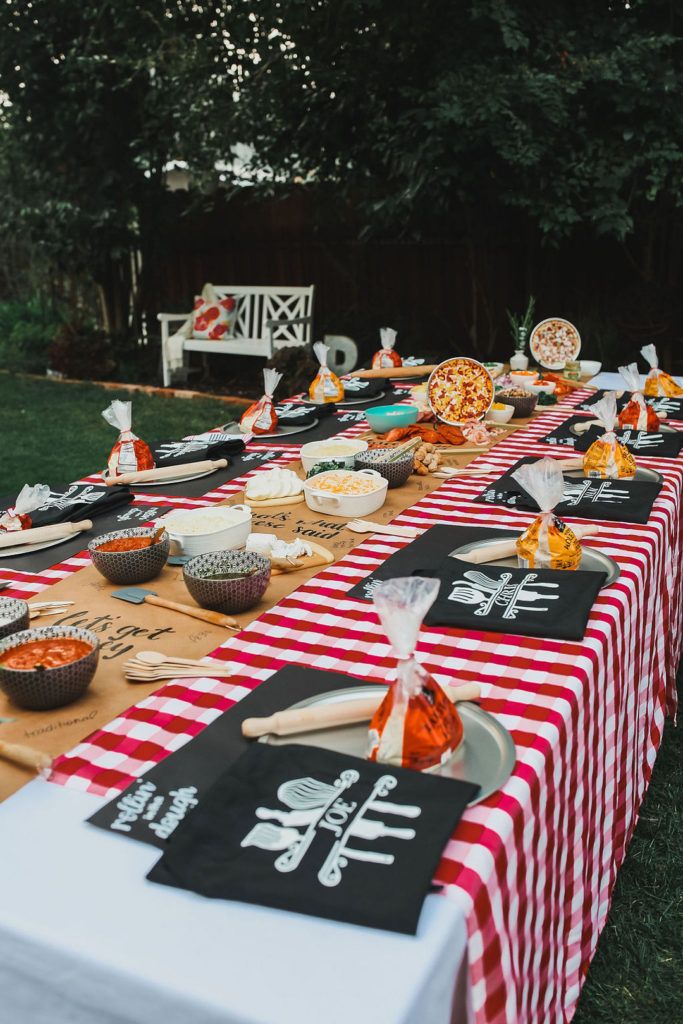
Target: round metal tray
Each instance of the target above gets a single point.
(29, 549)
(283, 430)
(486, 755)
(591, 560)
(642, 474)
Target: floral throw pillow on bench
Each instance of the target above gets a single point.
(213, 321)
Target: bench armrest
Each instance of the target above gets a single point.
(289, 321)
(168, 317)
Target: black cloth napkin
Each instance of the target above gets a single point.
(196, 449)
(195, 767)
(320, 833)
(298, 413)
(121, 518)
(560, 611)
(670, 407)
(238, 465)
(663, 446)
(69, 503)
(624, 501)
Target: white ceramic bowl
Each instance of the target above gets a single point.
(350, 506)
(495, 369)
(233, 535)
(521, 378)
(535, 388)
(316, 451)
(590, 367)
(501, 415)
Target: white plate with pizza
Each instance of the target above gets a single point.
(554, 342)
(460, 389)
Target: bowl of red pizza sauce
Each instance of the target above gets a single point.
(48, 667)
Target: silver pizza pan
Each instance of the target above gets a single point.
(591, 560)
(282, 430)
(642, 474)
(29, 549)
(664, 429)
(486, 755)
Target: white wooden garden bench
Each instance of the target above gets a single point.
(267, 317)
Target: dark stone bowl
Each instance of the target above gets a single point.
(523, 406)
(130, 567)
(41, 689)
(396, 473)
(227, 596)
(14, 616)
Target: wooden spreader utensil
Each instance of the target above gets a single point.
(330, 716)
(43, 534)
(145, 476)
(138, 595)
(26, 757)
(386, 373)
(366, 526)
(507, 548)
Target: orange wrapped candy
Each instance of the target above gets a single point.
(387, 355)
(416, 725)
(548, 543)
(637, 413)
(607, 458)
(129, 454)
(326, 386)
(27, 501)
(657, 382)
(260, 417)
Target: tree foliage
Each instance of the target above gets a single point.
(421, 119)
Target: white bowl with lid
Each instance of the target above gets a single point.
(350, 506)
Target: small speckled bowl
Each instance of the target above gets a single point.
(396, 473)
(227, 596)
(130, 567)
(14, 616)
(41, 689)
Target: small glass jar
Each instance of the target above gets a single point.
(572, 369)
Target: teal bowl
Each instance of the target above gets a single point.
(385, 417)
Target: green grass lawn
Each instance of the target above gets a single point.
(54, 433)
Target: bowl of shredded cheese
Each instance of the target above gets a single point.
(342, 492)
(198, 530)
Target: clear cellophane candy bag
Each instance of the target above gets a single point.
(260, 417)
(657, 382)
(548, 543)
(607, 458)
(129, 454)
(326, 386)
(387, 355)
(28, 500)
(416, 725)
(637, 413)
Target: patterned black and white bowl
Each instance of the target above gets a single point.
(396, 473)
(137, 566)
(227, 596)
(14, 616)
(41, 689)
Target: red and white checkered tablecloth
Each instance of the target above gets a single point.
(532, 866)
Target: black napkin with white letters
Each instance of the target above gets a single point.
(316, 832)
(640, 442)
(197, 448)
(623, 501)
(490, 598)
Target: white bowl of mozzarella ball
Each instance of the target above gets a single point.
(196, 531)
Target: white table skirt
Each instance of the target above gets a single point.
(86, 939)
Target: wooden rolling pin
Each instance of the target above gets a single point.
(506, 548)
(26, 757)
(329, 716)
(386, 373)
(144, 476)
(40, 534)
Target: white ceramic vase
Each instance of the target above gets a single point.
(519, 361)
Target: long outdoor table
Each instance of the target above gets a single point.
(528, 873)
